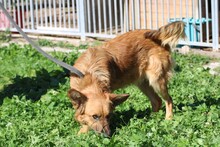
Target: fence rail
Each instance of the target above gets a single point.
(109, 18)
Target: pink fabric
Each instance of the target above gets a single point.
(4, 22)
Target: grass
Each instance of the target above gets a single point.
(35, 111)
(217, 69)
(49, 43)
(5, 36)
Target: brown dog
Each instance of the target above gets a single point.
(140, 57)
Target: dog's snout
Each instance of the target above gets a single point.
(103, 128)
(106, 131)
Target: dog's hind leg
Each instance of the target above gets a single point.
(158, 73)
(155, 100)
(168, 100)
(160, 85)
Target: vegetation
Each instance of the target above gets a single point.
(35, 111)
(5, 36)
(48, 43)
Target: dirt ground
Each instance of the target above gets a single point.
(204, 51)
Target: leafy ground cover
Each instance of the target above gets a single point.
(5, 36)
(35, 111)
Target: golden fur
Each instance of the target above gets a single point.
(140, 57)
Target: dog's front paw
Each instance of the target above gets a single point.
(84, 129)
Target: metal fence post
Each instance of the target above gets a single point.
(32, 14)
(215, 29)
(82, 19)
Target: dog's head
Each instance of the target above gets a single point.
(93, 109)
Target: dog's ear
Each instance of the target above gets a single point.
(77, 98)
(117, 99)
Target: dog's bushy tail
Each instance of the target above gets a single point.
(168, 34)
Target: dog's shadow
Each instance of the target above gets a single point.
(33, 87)
(120, 119)
(209, 101)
